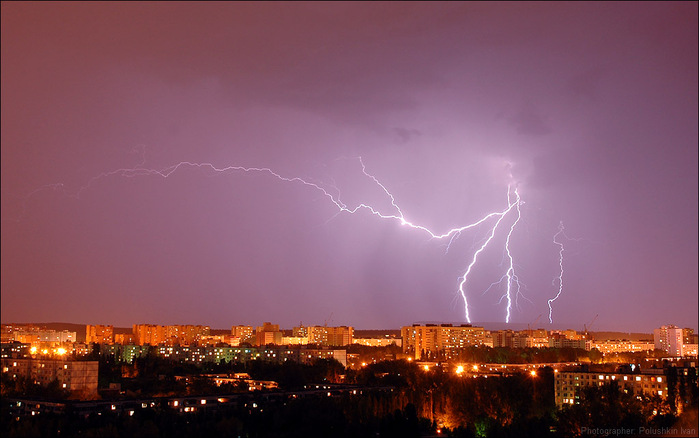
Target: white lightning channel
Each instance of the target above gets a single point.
(464, 278)
(511, 275)
(398, 216)
(560, 264)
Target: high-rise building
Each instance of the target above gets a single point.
(300, 331)
(669, 339)
(267, 334)
(431, 340)
(148, 334)
(244, 333)
(329, 336)
(511, 339)
(100, 334)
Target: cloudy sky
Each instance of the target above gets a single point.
(588, 110)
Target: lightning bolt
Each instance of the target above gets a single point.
(511, 275)
(464, 278)
(397, 215)
(560, 232)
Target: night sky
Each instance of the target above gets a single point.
(588, 109)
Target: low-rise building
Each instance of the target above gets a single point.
(378, 342)
(622, 346)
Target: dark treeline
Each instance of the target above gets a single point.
(419, 403)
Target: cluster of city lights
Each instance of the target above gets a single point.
(58, 351)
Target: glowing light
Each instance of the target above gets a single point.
(475, 368)
(532, 373)
(460, 369)
(61, 351)
(426, 367)
(33, 350)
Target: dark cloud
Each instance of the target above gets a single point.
(529, 121)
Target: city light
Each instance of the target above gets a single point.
(459, 370)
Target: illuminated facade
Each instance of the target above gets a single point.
(378, 342)
(677, 342)
(244, 333)
(71, 375)
(294, 340)
(149, 334)
(511, 339)
(569, 385)
(612, 346)
(268, 334)
(430, 340)
(569, 340)
(330, 336)
(100, 334)
(124, 338)
(127, 353)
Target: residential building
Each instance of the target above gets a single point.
(100, 334)
(431, 340)
(330, 336)
(268, 334)
(244, 333)
(71, 375)
(669, 338)
(569, 385)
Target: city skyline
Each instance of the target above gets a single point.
(589, 112)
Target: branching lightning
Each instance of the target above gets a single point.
(332, 194)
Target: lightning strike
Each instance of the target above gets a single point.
(464, 278)
(511, 275)
(397, 215)
(560, 264)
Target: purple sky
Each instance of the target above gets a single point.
(589, 109)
